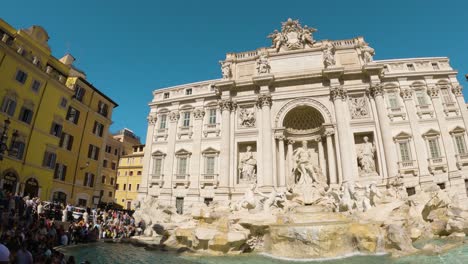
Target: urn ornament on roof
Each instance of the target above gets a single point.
(292, 36)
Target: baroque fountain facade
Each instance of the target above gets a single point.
(308, 149)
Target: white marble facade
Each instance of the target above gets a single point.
(324, 109)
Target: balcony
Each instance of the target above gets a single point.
(425, 109)
(161, 133)
(211, 128)
(209, 179)
(462, 160)
(396, 112)
(157, 180)
(408, 167)
(185, 131)
(451, 107)
(181, 179)
(439, 163)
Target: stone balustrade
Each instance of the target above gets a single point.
(209, 179)
(462, 160)
(437, 163)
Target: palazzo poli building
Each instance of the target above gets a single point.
(307, 110)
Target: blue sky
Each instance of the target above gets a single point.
(130, 48)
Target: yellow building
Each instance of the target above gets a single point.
(60, 121)
(129, 177)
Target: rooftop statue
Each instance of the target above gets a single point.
(292, 36)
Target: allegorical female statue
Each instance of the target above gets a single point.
(366, 156)
(247, 166)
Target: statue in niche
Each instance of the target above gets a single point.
(248, 166)
(329, 55)
(247, 117)
(366, 157)
(263, 65)
(305, 172)
(225, 69)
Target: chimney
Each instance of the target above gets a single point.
(68, 59)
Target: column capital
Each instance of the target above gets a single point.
(329, 132)
(280, 137)
(198, 113)
(457, 90)
(152, 119)
(290, 141)
(433, 90)
(174, 116)
(264, 100)
(318, 139)
(406, 93)
(338, 92)
(226, 105)
(375, 90)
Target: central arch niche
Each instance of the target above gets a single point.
(303, 118)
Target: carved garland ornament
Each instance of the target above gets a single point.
(174, 116)
(433, 91)
(458, 90)
(358, 107)
(198, 113)
(151, 119)
(407, 94)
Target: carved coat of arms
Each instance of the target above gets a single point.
(292, 36)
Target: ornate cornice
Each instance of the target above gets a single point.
(406, 94)
(198, 113)
(433, 91)
(457, 90)
(174, 116)
(338, 92)
(264, 100)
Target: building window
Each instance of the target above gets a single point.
(210, 165)
(162, 122)
(410, 67)
(36, 85)
(102, 108)
(49, 160)
(212, 117)
(421, 97)
(182, 165)
(63, 102)
(9, 106)
(157, 167)
(129, 187)
(98, 129)
(60, 172)
(113, 165)
(466, 187)
(130, 173)
(21, 76)
(111, 181)
(393, 100)
(117, 186)
(180, 205)
(446, 97)
(93, 152)
(82, 202)
(108, 149)
(188, 91)
(17, 149)
(104, 163)
(103, 179)
(66, 141)
(434, 150)
(88, 179)
(441, 185)
(138, 173)
(435, 66)
(166, 95)
(460, 143)
(124, 187)
(186, 121)
(110, 194)
(138, 187)
(79, 93)
(26, 115)
(208, 201)
(73, 115)
(405, 153)
(56, 129)
(116, 152)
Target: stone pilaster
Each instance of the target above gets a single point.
(290, 143)
(146, 174)
(225, 106)
(339, 96)
(332, 176)
(391, 161)
(170, 163)
(281, 163)
(195, 173)
(321, 153)
(264, 103)
(458, 92)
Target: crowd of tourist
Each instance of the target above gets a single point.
(31, 230)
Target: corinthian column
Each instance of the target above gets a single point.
(143, 190)
(281, 168)
(331, 156)
(391, 161)
(339, 96)
(290, 161)
(264, 103)
(323, 166)
(225, 106)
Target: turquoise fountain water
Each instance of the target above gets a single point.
(103, 253)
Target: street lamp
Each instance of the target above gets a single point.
(4, 139)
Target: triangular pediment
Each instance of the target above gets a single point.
(183, 152)
(210, 150)
(158, 153)
(457, 129)
(431, 132)
(402, 135)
